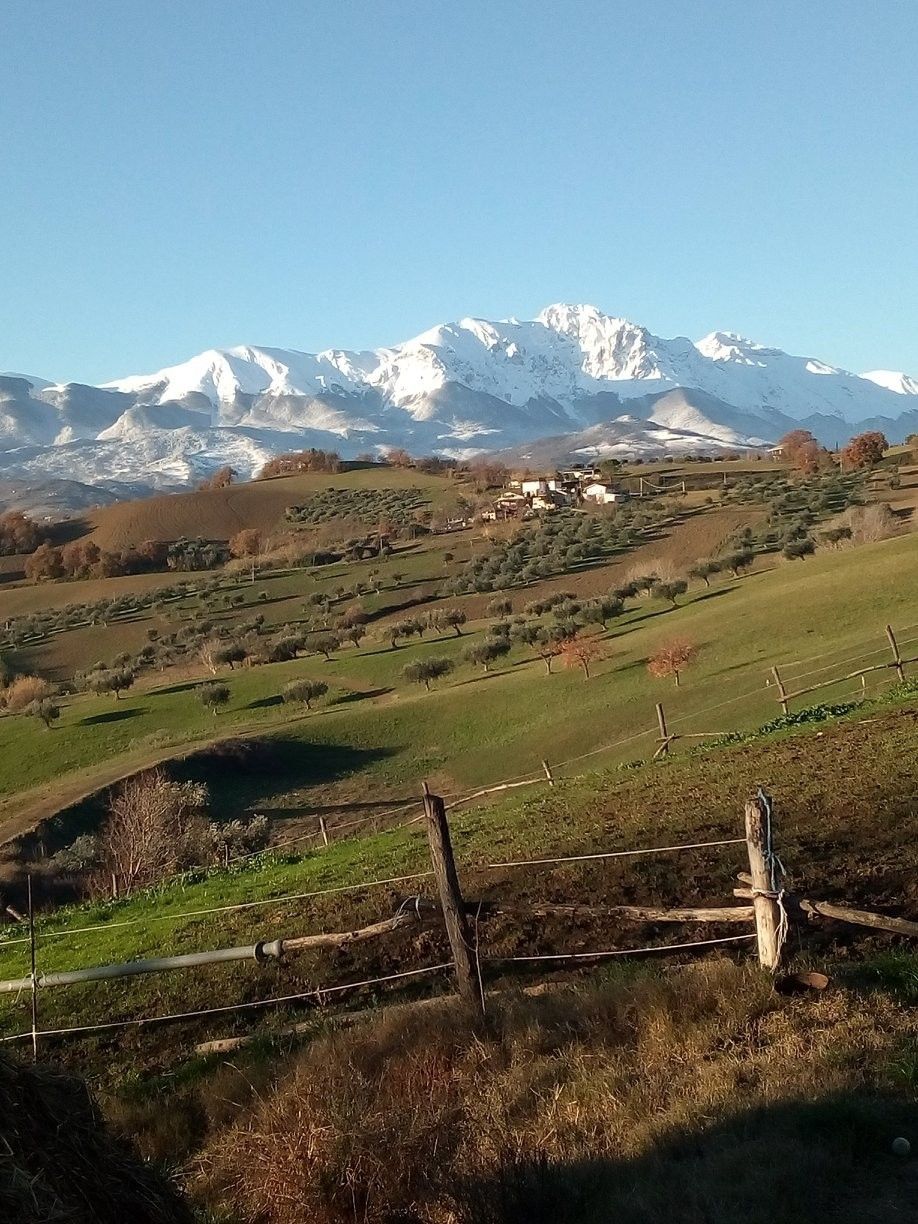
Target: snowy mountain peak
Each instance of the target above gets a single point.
(458, 388)
(893, 380)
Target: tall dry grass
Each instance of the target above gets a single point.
(695, 1096)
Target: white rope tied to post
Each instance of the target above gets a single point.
(776, 872)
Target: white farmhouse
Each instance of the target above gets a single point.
(540, 486)
(602, 493)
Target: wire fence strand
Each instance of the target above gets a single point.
(556, 956)
(319, 992)
(607, 854)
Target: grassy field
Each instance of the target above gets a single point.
(820, 775)
(475, 728)
(622, 1079)
(622, 1088)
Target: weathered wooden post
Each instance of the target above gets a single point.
(782, 691)
(897, 658)
(548, 774)
(765, 883)
(33, 975)
(457, 928)
(323, 829)
(663, 750)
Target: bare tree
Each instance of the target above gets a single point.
(149, 830)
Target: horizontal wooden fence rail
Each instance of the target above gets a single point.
(896, 663)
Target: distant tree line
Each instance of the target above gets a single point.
(18, 534)
(311, 460)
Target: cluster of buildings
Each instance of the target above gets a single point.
(569, 487)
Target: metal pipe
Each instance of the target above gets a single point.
(261, 951)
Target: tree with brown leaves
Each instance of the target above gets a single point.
(149, 830)
(581, 651)
(247, 543)
(801, 450)
(864, 451)
(671, 659)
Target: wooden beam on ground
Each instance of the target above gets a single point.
(338, 939)
(843, 913)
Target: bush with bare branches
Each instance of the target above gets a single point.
(23, 691)
(154, 828)
(867, 524)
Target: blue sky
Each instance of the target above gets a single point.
(176, 176)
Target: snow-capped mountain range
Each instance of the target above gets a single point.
(457, 389)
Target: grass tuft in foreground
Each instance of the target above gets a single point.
(692, 1096)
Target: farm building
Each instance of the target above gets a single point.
(603, 494)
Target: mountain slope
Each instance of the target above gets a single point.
(456, 389)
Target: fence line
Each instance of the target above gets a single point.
(769, 911)
(582, 858)
(222, 909)
(457, 801)
(555, 956)
(230, 1007)
(534, 776)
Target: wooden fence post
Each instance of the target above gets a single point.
(33, 975)
(548, 776)
(765, 903)
(457, 929)
(897, 658)
(663, 750)
(782, 691)
(323, 829)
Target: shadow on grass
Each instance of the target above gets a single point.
(793, 1163)
(246, 772)
(113, 716)
(263, 703)
(185, 687)
(348, 698)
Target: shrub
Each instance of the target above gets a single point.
(116, 681)
(326, 644)
(865, 450)
(237, 838)
(304, 692)
(483, 654)
(18, 534)
(867, 524)
(581, 651)
(213, 695)
(46, 709)
(151, 831)
(704, 571)
(739, 560)
(25, 690)
(799, 549)
(500, 607)
(669, 590)
(451, 618)
(45, 563)
(425, 671)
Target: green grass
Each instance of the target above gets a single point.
(846, 829)
(477, 728)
